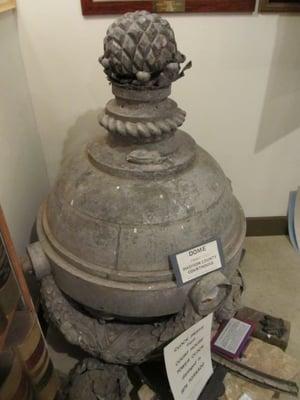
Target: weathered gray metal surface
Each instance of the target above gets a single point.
(140, 50)
(144, 115)
(114, 233)
(140, 192)
(92, 380)
(39, 261)
(122, 343)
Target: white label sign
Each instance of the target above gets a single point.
(198, 261)
(188, 361)
(233, 335)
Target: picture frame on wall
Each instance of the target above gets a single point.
(279, 6)
(98, 7)
(6, 5)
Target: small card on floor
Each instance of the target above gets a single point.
(233, 337)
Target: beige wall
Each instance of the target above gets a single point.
(23, 178)
(242, 95)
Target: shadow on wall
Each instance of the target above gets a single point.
(281, 109)
(84, 130)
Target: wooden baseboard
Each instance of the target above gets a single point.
(267, 226)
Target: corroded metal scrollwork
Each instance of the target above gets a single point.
(122, 343)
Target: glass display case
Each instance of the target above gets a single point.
(26, 371)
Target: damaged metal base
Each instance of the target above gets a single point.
(263, 371)
(131, 343)
(93, 380)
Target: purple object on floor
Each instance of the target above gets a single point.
(232, 337)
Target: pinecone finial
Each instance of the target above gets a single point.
(140, 50)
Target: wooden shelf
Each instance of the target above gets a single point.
(7, 5)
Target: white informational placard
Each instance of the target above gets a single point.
(233, 335)
(197, 261)
(188, 361)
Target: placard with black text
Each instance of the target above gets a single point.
(197, 261)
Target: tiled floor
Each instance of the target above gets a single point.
(271, 269)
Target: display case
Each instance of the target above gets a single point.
(26, 371)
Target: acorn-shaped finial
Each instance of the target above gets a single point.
(140, 50)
